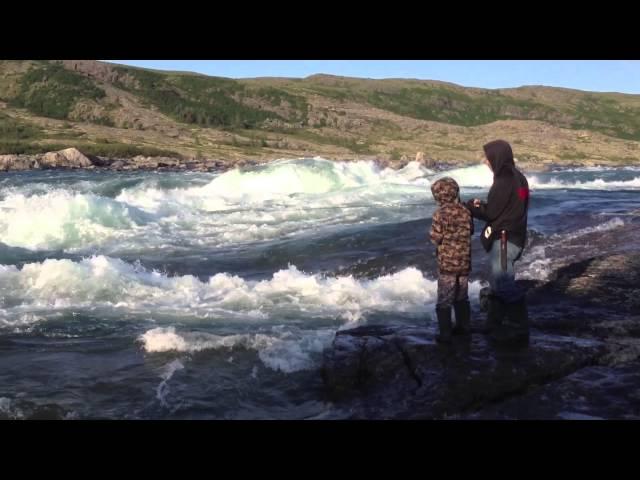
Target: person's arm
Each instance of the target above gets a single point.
(497, 201)
(437, 229)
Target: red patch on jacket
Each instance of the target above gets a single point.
(523, 193)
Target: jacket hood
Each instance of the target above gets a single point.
(445, 190)
(500, 156)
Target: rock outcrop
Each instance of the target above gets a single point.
(74, 158)
(18, 162)
(67, 158)
(582, 361)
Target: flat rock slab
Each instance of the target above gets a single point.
(592, 393)
(400, 372)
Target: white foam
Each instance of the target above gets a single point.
(286, 352)
(584, 169)
(7, 407)
(115, 287)
(283, 181)
(598, 168)
(612, 224)
(163, 388)
(274, 201)
(478, 176)
(598, 184)
(577, 416)
(61, 219)
(536, 266)
(101, 281)
(277, 201)
(20, 322)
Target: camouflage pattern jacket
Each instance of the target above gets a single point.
(451, 228)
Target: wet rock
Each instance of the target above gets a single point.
(47, 412)
(585, 335)
(117, 165)
(598, 297)
(609, 280)
(592, 393)
(12, 409)
(400, 372)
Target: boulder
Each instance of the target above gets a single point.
(18, 162)
(117, 165)
(76, 158)
(67, 158)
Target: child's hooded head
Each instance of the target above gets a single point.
(445, 190)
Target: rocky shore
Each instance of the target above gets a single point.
(583, 361)
(72, 158)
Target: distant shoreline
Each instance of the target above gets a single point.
(71, 158)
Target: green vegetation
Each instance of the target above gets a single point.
(449, 106)
(12, 130)
(277, 98)
(255, 109)
(354, 145)
(607, 116)
(52, 91)
(251, 139)
(106, 121)
(117, 150)
(572, 156)
(211, 101)
(66, 135)
(528, 157)
(123, 150)
(25, 147)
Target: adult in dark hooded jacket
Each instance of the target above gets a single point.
(503, 237)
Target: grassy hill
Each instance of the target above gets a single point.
(116, 110)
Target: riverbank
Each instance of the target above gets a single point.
(72, 158)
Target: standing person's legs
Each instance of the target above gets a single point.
(507, 302)
(503, 282)
(462, 290)
(462, 307)
(447, 286)
(447, 290)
